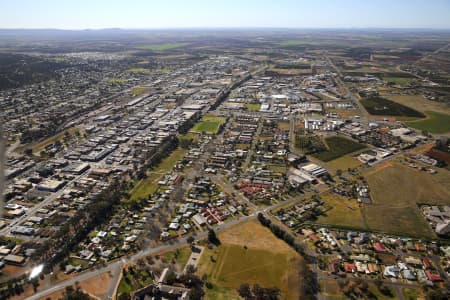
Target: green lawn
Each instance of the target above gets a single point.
(149, 185)
(180, 256)
(253, 106)
(139, 70)
(337, 147)
(398, 80)
(162, 47)
(209, 124)
(434, 123)
(116, 80)
(410, 294)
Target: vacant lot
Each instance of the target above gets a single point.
(434, 123)
(396, 191)
(209, 124)
(398, 80)
(418, 102)
(162, 47)
(250, 253)
(381, 106)
(344, 213)
(337, 147)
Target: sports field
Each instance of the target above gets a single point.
(251, 254)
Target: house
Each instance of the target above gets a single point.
(391, 271)
(379, 247)
(349, 268)
(14, 259)
(408, 275)
(433, 276)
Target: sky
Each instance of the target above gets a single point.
(96, 14)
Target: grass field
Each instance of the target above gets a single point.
(344, 213)
(398, 80)
(116, 80)
(434, 123)
(180, 256)
(265, 260)
(343, 163)
(253, 106)
(396, 190)
(149, 185)
(162, 47)
(58, 137)
(139, 90)
(384, 107)
(139, 70)
(337, 147)
(209, 124)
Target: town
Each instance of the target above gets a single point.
(183, 170)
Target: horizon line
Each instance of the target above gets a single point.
(225, 27)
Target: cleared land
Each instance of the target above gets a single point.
(149, 185)
(384, 107)
(396, 191)
(264, 260)
(337, 147)
(139, 90)
(209, 124)
(434, 123)
(344, 213)
(162, 47)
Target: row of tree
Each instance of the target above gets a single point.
(257, 292)
(309, 285)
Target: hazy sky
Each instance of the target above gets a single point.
(81, 14)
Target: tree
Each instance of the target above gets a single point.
(190, 240)
(212, 237)
(29, 152)
(244, 291)
(339, 172)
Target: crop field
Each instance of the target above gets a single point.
(337, 147)
(384, 107)
(209, 124)
(434, 123)
(250, 253)
(396, 191)
(162, 47)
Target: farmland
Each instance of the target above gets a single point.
(209, 124)
(250, 253)
(337, 147)
(376, 105)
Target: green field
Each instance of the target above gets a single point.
(344, 213)
(116, 80)
(149, 185)
(396, 190)
(253, 106)
(398, 80)
(162, 47)
(434, 123)
(209, 124)
(251, 254)
(139, 90)
(180, 256)
(376, 105)
(337, 147)
(139, 70)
